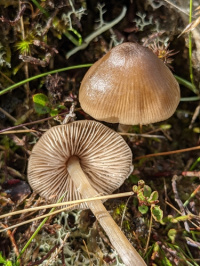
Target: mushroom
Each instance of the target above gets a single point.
(129, 85)
(84, 159)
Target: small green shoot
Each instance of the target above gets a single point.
(157, 213)
(172, 235)
(24, 47)
(71, 37)
(146, 199)
(41, 102)
(196, 130)
(195, 164)
(191, 196)
(40, 8)
(4, 261)
(143, 209)
(155, 252)
(42, 105)
(133, 179)
(165, 126)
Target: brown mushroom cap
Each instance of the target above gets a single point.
(129, 85)
(104, 157)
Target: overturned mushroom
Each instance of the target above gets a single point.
(129, 85)
(84, 158)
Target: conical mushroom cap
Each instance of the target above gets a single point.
(129, 85)
(104, 157)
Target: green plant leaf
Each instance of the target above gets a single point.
(172, 234)
(155, 252)
(157, 213)
(54, 112)
(166, 262)
(141, 184)
(153, 197)
(135, 189)
(143, 209)
(147, 191)
(8, 263)
(41, 99)
(165, 126)
(2, 260)
(41, 109)
(196, 129)
(40, 103)
(133, 179)
(141, 197)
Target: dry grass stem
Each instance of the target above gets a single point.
(37, 218)
(125, 194)
(17, 131)
(167, 153)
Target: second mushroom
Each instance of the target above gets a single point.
(84, 159)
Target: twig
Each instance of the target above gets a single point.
(70, 116)
(86, 248)
(191, 173)
(171, 251)
(8, 115)
(194, 117)
(149, 234)
(167, 153)
(13, 120)
(172, 207)
(10, 80)
(12, 240)
(13, 22)
(141, 135)
(99, 31)
(181, 218)
(179, 202)
(57, 250)
(178, 8)
(192, 243)
(31, 123)
(191, 196)
(39, 262)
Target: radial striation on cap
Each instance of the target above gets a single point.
(104, 157)
(129, 85)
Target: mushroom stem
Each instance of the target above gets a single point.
(127, 252)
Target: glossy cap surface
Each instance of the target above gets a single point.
(129, 85)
